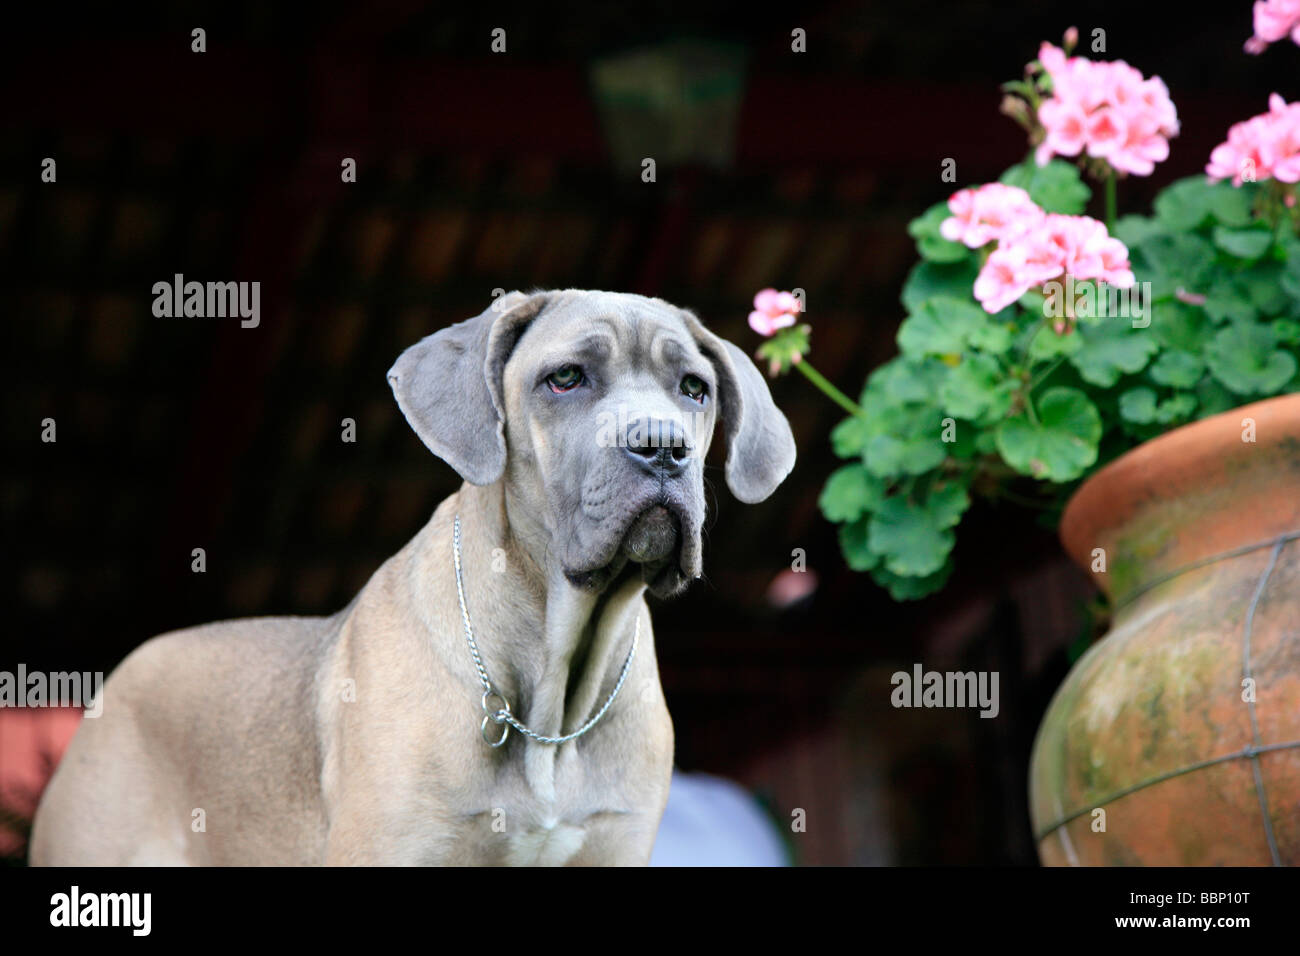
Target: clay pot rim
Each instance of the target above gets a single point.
(1112, 496)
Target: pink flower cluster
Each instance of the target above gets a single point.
(1274, 19)
(1055, 246)
(1108, 110)
(1262, 147)
(772, 311)
(1033, 246)
(984, 215)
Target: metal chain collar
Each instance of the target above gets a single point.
(502, 715)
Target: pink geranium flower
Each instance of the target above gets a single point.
(1066, 125)
(1274, 20)
(1263, 147)
(1107, 111)
(988, 214)
(1002, 279)
(1055, 246)
(772, 311)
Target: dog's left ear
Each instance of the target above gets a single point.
(760, 445)
(448, 385)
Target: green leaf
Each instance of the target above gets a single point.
(991, 336)
(1286, 330)
(1231, 205)
(1262, 284)
(909, 538)
(1132, 230)
(1176, 408)
(962, 445)
(1247, 244)
(977, 390)
(908, 379)
(853, 544)
(849, 437)
(1047, 344)
(929, 242)
(1246, 359)
(1184, 205)
(1033, 302)
(1056, 187)
(849, 492)
(941, 250)
(1213, 398)
(888, 456)
(1180, 259)
(942, 326)
(905, 587)
(928, 223)
(930, 279)
(1227, 302)
(901, 438)
(1164, 286)
(1112, 348)
(1177, 325)
(1177, 369)
(1291, 274)
(947, 503)
(1190, 203)
(1138, 405)
(1061, 444)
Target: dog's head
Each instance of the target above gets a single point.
(596, 409)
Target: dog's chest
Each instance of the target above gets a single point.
(545, 842)
(535, 818)
(522, 832)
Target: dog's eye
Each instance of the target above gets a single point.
(693, 387)
(565, 379)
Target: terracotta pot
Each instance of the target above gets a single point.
(1155, 725)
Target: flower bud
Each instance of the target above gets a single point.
(1014, 107)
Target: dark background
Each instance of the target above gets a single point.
(479, 171)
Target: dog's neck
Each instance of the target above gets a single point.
(552, 648)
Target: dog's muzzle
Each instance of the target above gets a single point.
(652, 537)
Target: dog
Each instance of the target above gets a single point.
(390, 733)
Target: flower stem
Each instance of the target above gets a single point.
(1029, 406)
(1038, 379)
(831, 392)
(1112, 202)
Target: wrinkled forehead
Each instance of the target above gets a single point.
(629, 329)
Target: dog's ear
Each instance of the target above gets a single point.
(448, 385)
(760, 445)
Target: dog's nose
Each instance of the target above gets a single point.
(657, 445)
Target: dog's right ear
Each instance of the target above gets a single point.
(448, 385)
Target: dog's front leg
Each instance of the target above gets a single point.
(378, 813)
(362, 833)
